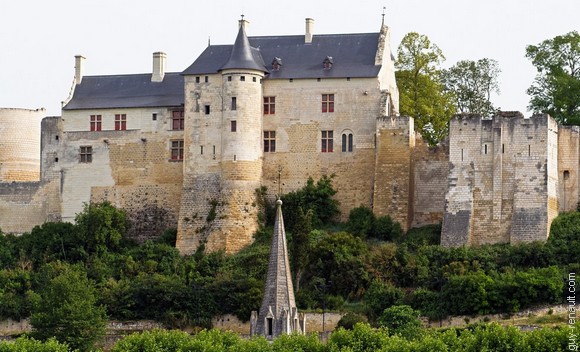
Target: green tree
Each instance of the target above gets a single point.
(421, 94)
(300, 244)
(471, 83)
(402, 320)
(65, 307)
(556, 88)
(101, 226)
(381, 296)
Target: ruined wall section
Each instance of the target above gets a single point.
(20, 146)
(394, 179)
(430, 170)
(130, 168)
(535, 149)
(568, 166)
(298, 123)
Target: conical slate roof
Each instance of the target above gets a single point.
(241, 56)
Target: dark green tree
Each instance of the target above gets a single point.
(556, 88)
(421, 94)
(402, 320)
(471, 83)
(65, 307)
(101, 226)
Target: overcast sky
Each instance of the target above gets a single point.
(39, 38)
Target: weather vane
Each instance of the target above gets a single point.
(384, 9)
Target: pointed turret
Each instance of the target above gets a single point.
(278, 314)
(242, 56)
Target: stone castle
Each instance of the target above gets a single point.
(188, 149)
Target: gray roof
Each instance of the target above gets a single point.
(127, 91)
(353, 56)
(242, 56)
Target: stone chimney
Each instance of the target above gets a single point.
(159, 59)
(309, 28)
(79, 59)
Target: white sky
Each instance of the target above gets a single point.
(39, 38)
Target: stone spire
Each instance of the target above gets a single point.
(278, 314)
(242, 56)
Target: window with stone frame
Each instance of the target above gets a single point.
(177, 120)
(269, 141)
(327, 102)
(269, 105)
(120, 122)
(327, 145)
(95, 122)
(86, 154)
(347, 142)
(177, 149)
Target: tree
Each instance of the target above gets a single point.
(472, 82)
(101, 226)
(421, 94)
(402, 320)
(65, 307)
(556, 88)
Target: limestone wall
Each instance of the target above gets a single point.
(393, 188)
(503, 179)
(130, 168)
(20, 146)
(430, 170)
(568, 159)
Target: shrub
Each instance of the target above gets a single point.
(402, 320)
(349, 320)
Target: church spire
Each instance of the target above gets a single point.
(242, 56)
(278, 314)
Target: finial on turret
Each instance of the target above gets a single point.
(383, 22)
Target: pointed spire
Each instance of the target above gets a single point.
(278, 314)
(242, 56)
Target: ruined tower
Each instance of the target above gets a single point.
(223, 159)
(278, 314)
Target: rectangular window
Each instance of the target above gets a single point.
(234, 103)
(120, 122)
(206, 79)
(95, 122)
(207, 109)
(177, 121)
(86, 154)
(269, 141)
(177, 149)
(233, 126)
(242, 78)
(327, 102)
(269, 105)
(154, 116)
(327, 142)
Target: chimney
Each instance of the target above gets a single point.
(308, 35)
(158, 66)
(79, 68)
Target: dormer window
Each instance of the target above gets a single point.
(327, 63)
(276, 64)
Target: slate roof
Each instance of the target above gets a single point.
(127, 91)
(353, 56)
(242, 56)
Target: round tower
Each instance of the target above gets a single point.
(20, 146)
(223, 167)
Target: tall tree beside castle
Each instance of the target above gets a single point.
(556, 88)
(421, 93)
(471, 83)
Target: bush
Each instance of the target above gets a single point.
(349, 320)
(380, 296)
(402, 320)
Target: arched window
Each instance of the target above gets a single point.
(347, 142)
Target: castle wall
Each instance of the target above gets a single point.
(20, 147)
(393, 188)
(130, 168)
(430, 170)
(503, 179)
(568, 159)
(299, 122)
